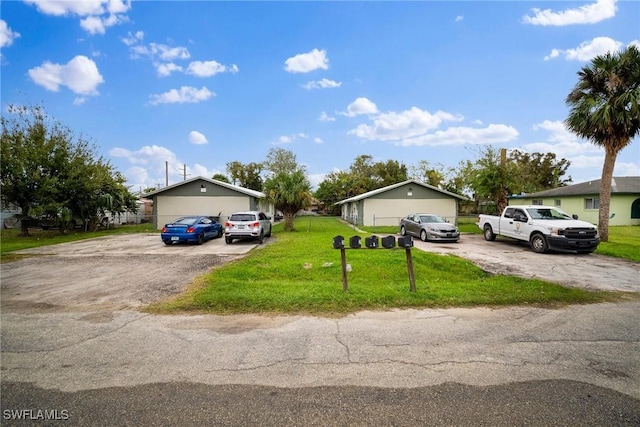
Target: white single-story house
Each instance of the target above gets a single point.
(388, 205)
(204, 196)
(584, 200)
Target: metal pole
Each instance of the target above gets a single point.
(412, 280)
(166, 173)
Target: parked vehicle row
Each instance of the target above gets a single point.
(198, 229)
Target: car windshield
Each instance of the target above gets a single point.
(185, 220)
(431, 219)
(541, 213)
(242, 217)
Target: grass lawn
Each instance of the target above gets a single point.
(300, 273)
(624, 242)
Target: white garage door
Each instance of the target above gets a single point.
(171, 208)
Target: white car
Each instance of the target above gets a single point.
(247, 225)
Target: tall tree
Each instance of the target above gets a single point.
(493, 178)
(221, 177)
(246, 175)
(604, 109)
(390, 172)
(46, 171)
(539, 171)
(281, 160)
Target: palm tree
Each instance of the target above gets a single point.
(604, 110)
(289, 192)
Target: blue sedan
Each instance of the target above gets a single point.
(196, 229)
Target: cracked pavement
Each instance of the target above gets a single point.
(98, 356)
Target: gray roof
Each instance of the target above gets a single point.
(243, 190)
(619, 185)
(400, 184)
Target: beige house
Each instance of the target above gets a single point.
(584, 200)
(386, 206)
(204, 196)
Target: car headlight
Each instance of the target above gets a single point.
(557, 231)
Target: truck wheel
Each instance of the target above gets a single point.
(488, 233)
(538, 243)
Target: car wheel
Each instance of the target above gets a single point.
(269, 233)
(219, 233)
(488, 233)
(403, 231)
(261, 237)
(166, 242)
(228, 240)
(423, 235)
(201, 238)
(538, 243)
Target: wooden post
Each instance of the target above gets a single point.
(345, 286)
(412, 280)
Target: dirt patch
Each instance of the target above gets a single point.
(71, 283)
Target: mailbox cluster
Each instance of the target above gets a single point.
(373, 242)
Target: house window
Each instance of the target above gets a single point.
(537, 202)
(592, 203)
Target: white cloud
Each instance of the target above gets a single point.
(492, 134)
(360, 106)
(209, 68)
(459, 18)
(306, 62)
(318, 140)
(199, 170)
(197, 138)
(186, 94)
(133, 39)
(7, 36)
(80, 75)
(79, 100)
(394, 126)
(283, 140)
(98, 15)
(166, 69)
(588, 14)
(587, 50)
(322, 84)
(325, 118)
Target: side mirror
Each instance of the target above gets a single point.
(574, 216)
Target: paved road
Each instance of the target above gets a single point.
(578, 365)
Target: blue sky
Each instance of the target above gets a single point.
(204, 83)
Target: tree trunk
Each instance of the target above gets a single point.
(288, 221)
(24, 222)
(605, 194)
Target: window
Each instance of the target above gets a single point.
(537, 202)
(592, 203)
(557, 202)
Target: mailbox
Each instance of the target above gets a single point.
(354, 242)
(372, 242)
(388, 242)
(338, 242)
(405, 242)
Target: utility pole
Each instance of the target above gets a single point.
(166, 173)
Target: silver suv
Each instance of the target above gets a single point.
(247, 225)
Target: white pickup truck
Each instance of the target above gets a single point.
(545, 228)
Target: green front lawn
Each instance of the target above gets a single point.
(300, 273)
